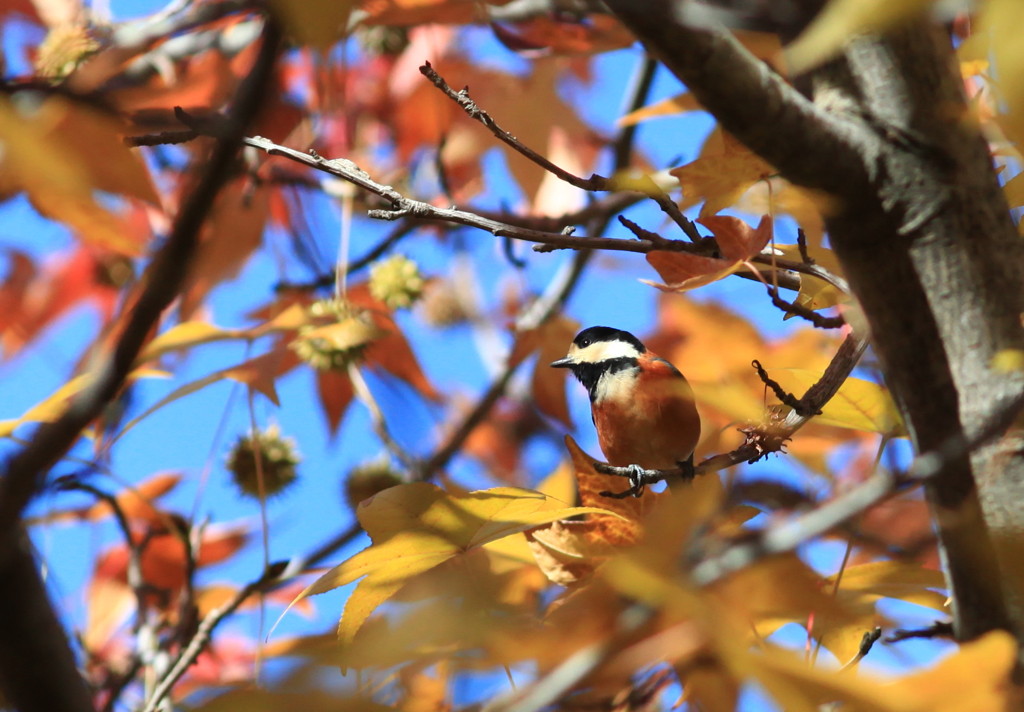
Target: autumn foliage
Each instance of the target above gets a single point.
(345, 385)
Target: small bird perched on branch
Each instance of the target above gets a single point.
(641, 405)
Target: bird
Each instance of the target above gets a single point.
(642, 406)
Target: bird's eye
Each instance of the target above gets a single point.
(585, 342)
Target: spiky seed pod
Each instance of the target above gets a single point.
(441, 305)
(278, 460)
(396, 281)
(64, 48)
(337, 335)
(369, 478)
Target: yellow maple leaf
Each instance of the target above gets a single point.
(417, 526)
(724, 170)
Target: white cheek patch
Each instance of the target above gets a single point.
(606, 351)
(616, 387)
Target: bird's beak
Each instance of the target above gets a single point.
(567, 362)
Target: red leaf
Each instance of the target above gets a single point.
(335, 391)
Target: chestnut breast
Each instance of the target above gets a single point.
(646, 417)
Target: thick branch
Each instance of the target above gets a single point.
(809, 146)
(38, 670)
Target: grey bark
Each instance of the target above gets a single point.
(925, 238)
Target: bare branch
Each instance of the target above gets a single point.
(461, 97)
(785, 397)
(938, 629)
(595, 182)
(539, 230)
(866, 643)
(204, 634)
(820, 321)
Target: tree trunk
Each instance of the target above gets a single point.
(924, 235)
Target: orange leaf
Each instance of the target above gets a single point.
(724, 170)
(683, 272)
(390, 350)
(231, 235)
(600, 33)
(336, 393)
(678, 104)
(261, 373)
(736, 239)
(112, 166)
(136, 503)
(58, 174)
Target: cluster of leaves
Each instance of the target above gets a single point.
(582, 599)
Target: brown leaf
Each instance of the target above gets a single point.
(682, 272)
(613, 531)
(737, 241)
(567, 552)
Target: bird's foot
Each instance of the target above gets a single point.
(638, 478)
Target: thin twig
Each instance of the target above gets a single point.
(164, 138)
(462, 98)
(938, 629)
(595, 182)
(817, 320)
(866, 643)
(324, 281)
(204, 634)
(377, 420)
(539, 230)
(643, 234)
(134, 569)
(801, 244)
(784, 396)
(643, 80)
(793, 533)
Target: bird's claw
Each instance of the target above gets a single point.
(638, 478)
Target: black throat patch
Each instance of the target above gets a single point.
(590, 373)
